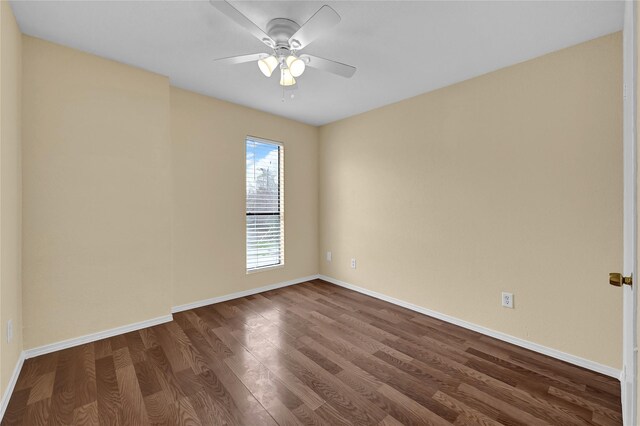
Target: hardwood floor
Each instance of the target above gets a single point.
(312, 353)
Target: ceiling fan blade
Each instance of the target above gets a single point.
(320, 22)
(334, 67)
(241, 59)
(240, 19)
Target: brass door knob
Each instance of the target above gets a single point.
(616, 279)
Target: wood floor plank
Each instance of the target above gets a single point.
(344, 364)
(264, 386)
(558, 368)
(147, 379)
(426, 416)
(603, 420)
(103, 348)
(37, 413)
(164, 373)
(85, 376)
(86, 414)
(118, 342)
(531, 403)
(228, 393)
(500, 405)
(135, 346)
(415, 389)
(189, 381)
(160, 408)
(233, 398)
(42, 388)
(108, 394)
(202, 328)
(467, 415)
(581, 401)
(121, 358)
(525, 375)
(148, 337)
(288, 378)
(398, 409)
(63, 397)
(310, 354)
(172, 348)
(14, 414)
(307, 416)
(504, 354)
(329, 388)
(133, 409)
(185, 413)
(209, 411)
(389, 421)
(29, 373)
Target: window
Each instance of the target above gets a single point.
(265, 204)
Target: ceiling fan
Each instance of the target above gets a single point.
(286, 38)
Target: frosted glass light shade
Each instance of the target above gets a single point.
(296, 65)
(267, 65)
(286, 78)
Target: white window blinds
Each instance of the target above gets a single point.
(264, 204)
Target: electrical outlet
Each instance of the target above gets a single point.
(9, 331)
(507, 300)
(328, 256)
(353, 264)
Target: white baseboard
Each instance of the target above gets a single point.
(554, 353)
(12, 384)
(245, 293)
(41, 350)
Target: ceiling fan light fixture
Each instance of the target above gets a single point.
(286, 38)
(286, 78)
(296, 65)
(268, 64)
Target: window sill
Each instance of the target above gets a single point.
(264, 269)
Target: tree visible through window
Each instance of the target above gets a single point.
(264, 204)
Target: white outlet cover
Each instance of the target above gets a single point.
(353, 264)
(328, 256)
(9, 331)
(507, 300)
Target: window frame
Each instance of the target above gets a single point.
(281, 191)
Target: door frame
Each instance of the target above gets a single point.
(628, 379)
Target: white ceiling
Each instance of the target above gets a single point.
(401, 49)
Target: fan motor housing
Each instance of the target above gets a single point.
(280, 30)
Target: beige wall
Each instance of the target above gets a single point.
(209, 196)
(10, 192)
(511, 181)
(98, 193)
(97, 199)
